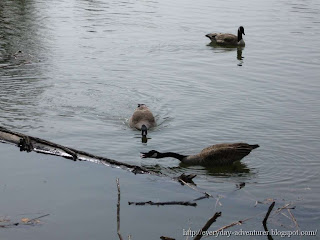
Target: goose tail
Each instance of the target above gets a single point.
(254, 146)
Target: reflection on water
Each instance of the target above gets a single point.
(239, 56)
(222, 49)
(237, 169)
(21, 48)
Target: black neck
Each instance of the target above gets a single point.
(239, 35)
(171, 154)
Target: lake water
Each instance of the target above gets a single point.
(73, 72)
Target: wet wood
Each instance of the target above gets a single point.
(29, 143)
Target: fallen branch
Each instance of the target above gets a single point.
(29, 143)
(118, 210)
(163, 203)
(207, 225)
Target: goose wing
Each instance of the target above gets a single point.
(226, 38)
(225, 153)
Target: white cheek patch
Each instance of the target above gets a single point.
(154, 155)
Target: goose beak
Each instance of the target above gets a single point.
(143, 155)
(208, 36)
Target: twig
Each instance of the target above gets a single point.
(207, 225)
(33, 219)
(206, 195)
(118, 210)
(163, 203)
(264, 222)
(293, 219)
(286, 206)
(236, 223)
(232, 224)
(166, 238)
(23, 223)
(218, 201)
(202, 197)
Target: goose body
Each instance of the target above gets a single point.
(142, 119)
(228, 39)
(219, 154)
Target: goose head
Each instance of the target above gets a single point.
(150, 154)
(210, 35)
(240, 32)
(142, 106)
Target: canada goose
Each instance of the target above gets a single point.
(142, 119)
(219, 154)
(228, 39)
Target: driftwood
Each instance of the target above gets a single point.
(207, 225)
(163, 203)
(29, 143)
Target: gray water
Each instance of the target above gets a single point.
(74, 71)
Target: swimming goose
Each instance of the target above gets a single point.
(228, 39)
(219, 154)
(142, 119)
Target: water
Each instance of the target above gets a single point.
(82, 68)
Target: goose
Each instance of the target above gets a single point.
(219, 154)
(228, 38)
(142, 119)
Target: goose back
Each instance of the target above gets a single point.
(221, 154)
(142, 116)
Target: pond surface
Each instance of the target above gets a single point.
(73, 72)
